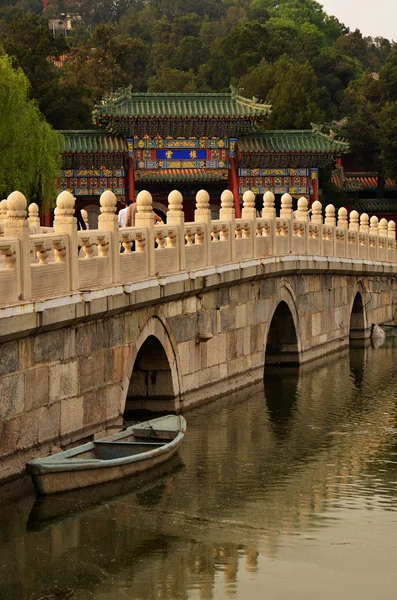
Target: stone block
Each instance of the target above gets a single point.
(91, 372)
(172, 309)
(247, 341)
(160, 383)
(216, 350)
(49, 422)
(189, 305)
(95, 407)
(12, 392)
(120, 357)
(316, 324)
(115, 334)
(28, 434)
(49, 346)
(131, 323)
(223, 296)
(183, 327)
(114, 402)
(26, 353)
(231, 345)
(241, 315)
(64, 381)
(9, 434)
(72, 415)
(209, 300)
(36, 387)
(9, 357)
(69, 343)
(228, 318)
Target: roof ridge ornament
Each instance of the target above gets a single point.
(122, 93)
(332, 136)
(254, 102)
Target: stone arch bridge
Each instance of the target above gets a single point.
(188, 311)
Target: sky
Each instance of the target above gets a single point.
(373, 19)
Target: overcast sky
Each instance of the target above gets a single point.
(372, 18)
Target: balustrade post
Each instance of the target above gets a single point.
(34, 220)
(3, 211)
(17, 226)
(249, 212)
(268, 211)
(227, 213)
(107, 221)
(317, 213)
(176, 218)
(382, 229)
(342, 218)
(364, 220)
(302, 213)
(202, 214)
(373, 227)
(391, 234)
(286, 211)
(330, 215)
(65, 222)
(354, 224)
(144, 218)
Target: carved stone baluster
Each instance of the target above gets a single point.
(126, 242)
(364, 223)
(8, 251)
(330, 215)
(140, 242)
(286, 211)
(159, 238)
(342, 218)
(268, 212)
(354, 224)
(391, 230)
(171, 238)
(17, 226)
(42, 251)
(189, 236)
(383, 228)
(302, 213)
(66, 223)
(34, 220)
(176, 217)
(87, 245)
(317, 213)
(374, 225)
(103, 245)
(59, 250)
(202, 214)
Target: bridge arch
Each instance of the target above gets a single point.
(358, 328)
(152, 382)
(282, 334)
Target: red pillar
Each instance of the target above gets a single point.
(234, 182)
(314, 175)
(130, 180)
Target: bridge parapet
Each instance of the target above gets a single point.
(41, 263)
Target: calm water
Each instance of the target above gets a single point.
(289, 493)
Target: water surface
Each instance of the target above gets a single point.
(287, 492)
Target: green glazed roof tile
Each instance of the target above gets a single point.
(200, 105)
(291, 141)
(91, 141)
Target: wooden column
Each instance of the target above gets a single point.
(234, 182)
(314, 178)
(130, 180)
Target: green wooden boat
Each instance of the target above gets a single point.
(130, 452)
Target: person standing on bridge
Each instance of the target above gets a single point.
(122, 216)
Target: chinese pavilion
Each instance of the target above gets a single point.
(160, 142)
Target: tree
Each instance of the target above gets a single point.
(31, 150)
(292, 90)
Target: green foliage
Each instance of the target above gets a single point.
(31, 150)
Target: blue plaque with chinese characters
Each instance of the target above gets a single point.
(185, 154)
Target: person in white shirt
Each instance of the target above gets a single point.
(122, 216)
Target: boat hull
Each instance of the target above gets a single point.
(69, 470)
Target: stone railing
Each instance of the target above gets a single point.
(41, 263)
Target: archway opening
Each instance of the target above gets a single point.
(151, 388)
(282, 342)
(357, 329)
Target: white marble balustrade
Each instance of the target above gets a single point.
(39, 263)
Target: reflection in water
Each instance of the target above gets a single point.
(291, 496)
(281, 389)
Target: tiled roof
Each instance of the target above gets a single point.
(361, 182)
(377, 206)
(199, 106)
(291, 142)
(91, 141)
(181, 175)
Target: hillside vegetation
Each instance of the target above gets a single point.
(306, 63)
